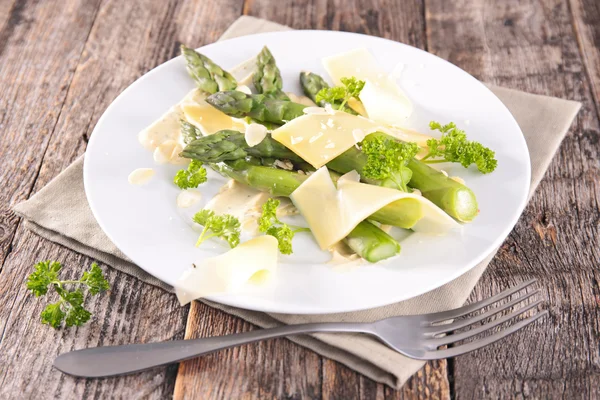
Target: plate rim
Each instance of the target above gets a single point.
(228, 301)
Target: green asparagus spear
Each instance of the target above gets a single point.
(189, 132)
(371, 243)
(312, 84)
(256, 106)
(451, 196)
(454, 198)
(209, 77)
(403, 213)
(227, 145)
(267, 77)
(366, 239)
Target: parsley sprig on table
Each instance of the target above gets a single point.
(192, 177)
(338, 96)
(226, 227)
(387, 159)
(271, 225)
(70, 307)
(454, 146)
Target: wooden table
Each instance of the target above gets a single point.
(61, 64)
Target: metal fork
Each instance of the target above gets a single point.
(415, 336)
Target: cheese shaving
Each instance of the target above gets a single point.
(333, 213)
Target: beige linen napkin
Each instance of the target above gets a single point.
(60, 213)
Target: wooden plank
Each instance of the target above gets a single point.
(271, 369)
(218, 376)
(396, 20)
(531, 45)
(127, 39)
(431, 382)
(586, 21)
(131, 312)
(42, 63)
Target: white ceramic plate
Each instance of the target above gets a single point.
(144, 222)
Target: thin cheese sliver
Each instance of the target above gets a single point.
(210, 120)
(320, 137)
(382, 98)
(359, 63)
(194, 109)
(254, 260)
(386, 103)
(333, 213)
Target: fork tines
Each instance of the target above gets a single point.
(442, 326)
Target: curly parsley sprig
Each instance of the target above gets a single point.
(226, 227)
(454, 146)
(387, 159)
(192, 177)
(271, 225)
(338, 96)
(70, 307)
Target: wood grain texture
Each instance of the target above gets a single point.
(122, 42)
(531, 45)
(215, 376)
(397, 20)
(62, 63)
(272, 369)
(586, 17)
(35, 70)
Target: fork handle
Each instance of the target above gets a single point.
(99, 362)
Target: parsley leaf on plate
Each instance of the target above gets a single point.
(271, 225)
(192, 177)
(454, 146)
(338, 96)
(387, 159)
(226, 227)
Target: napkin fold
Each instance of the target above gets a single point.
(60, 212)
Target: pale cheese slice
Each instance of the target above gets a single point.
(333, 213)
(359, 63)
(243, 72)
(210, 120)
(251, 261)
(382, 98)
(320, 137)
(409, 135)
(301, 99)
(357, 106)
(164, 135)
(385, 103)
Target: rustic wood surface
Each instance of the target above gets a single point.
(61, 64)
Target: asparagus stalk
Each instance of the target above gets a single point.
(403, 213)
(228, 145)
(312, 84)
(454, 198)
(367, 240)
(451, 196)
(209, 77)
(257, 106)
(189, 132)
(267, 77)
